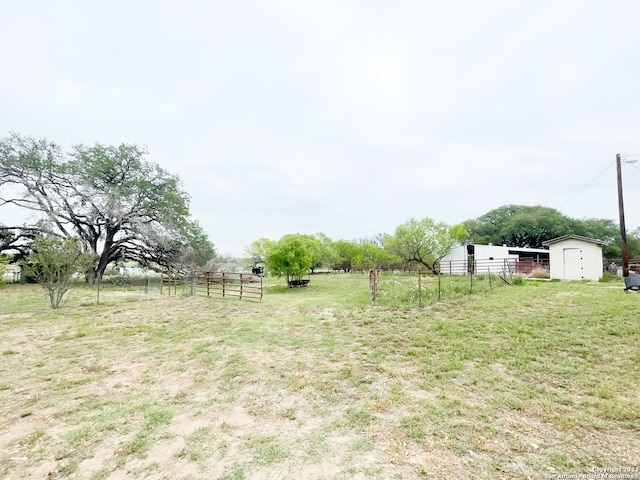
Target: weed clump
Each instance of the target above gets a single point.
(540, 272)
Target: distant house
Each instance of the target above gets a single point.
(473, 258)
(11, 274)
(573, 257)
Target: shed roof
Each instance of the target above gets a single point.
(513, 249)
(528, 250)
(574, 237)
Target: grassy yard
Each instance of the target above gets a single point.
(515, 382)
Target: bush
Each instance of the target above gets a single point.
(55, 261)
(608, 277)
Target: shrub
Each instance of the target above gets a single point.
(55, 261)
(608, 277)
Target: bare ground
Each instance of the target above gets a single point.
(190, 388)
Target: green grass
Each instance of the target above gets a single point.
(510, 382)
(417, 290)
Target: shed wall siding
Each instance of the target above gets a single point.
(570, 257)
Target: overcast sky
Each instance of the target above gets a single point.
(342, 117)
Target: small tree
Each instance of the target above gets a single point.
(346, 251)
(291, 256)
(54, 262)
(425, 241)
(371, 255)
(323, 252)
(256, 253)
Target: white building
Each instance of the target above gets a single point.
(492, 258)
(573, 257)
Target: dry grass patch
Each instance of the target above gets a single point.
(315, 383)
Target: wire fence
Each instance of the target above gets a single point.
(423, 288)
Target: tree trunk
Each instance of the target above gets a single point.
(95, 274)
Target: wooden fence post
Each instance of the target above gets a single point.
(373, 285)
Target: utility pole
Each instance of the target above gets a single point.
(623, 230)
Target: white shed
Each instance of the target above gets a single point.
(573, 257)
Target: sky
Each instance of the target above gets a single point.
(341, 117)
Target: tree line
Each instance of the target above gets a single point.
(104, 205)
(420, 241)
(424, 242)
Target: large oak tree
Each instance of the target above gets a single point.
(520, 226)
(120, 205)
(530, 226)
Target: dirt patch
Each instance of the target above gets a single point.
(190, 388)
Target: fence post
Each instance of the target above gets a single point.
(241, 286)
(223, 283)
(419, 288)
(208, 284)
(373, 286)
(439, 286)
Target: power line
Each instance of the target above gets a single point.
(587, 185)
(632, 165)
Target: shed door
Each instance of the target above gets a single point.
(572, 263)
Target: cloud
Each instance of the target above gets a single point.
(346, 118)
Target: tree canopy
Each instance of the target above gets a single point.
(257, 251)
(424, 241)
(324, 253)
(530, 226)
(291, 256)
(120, 205)
(17, 240)
(346, 252)
(519, 226)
